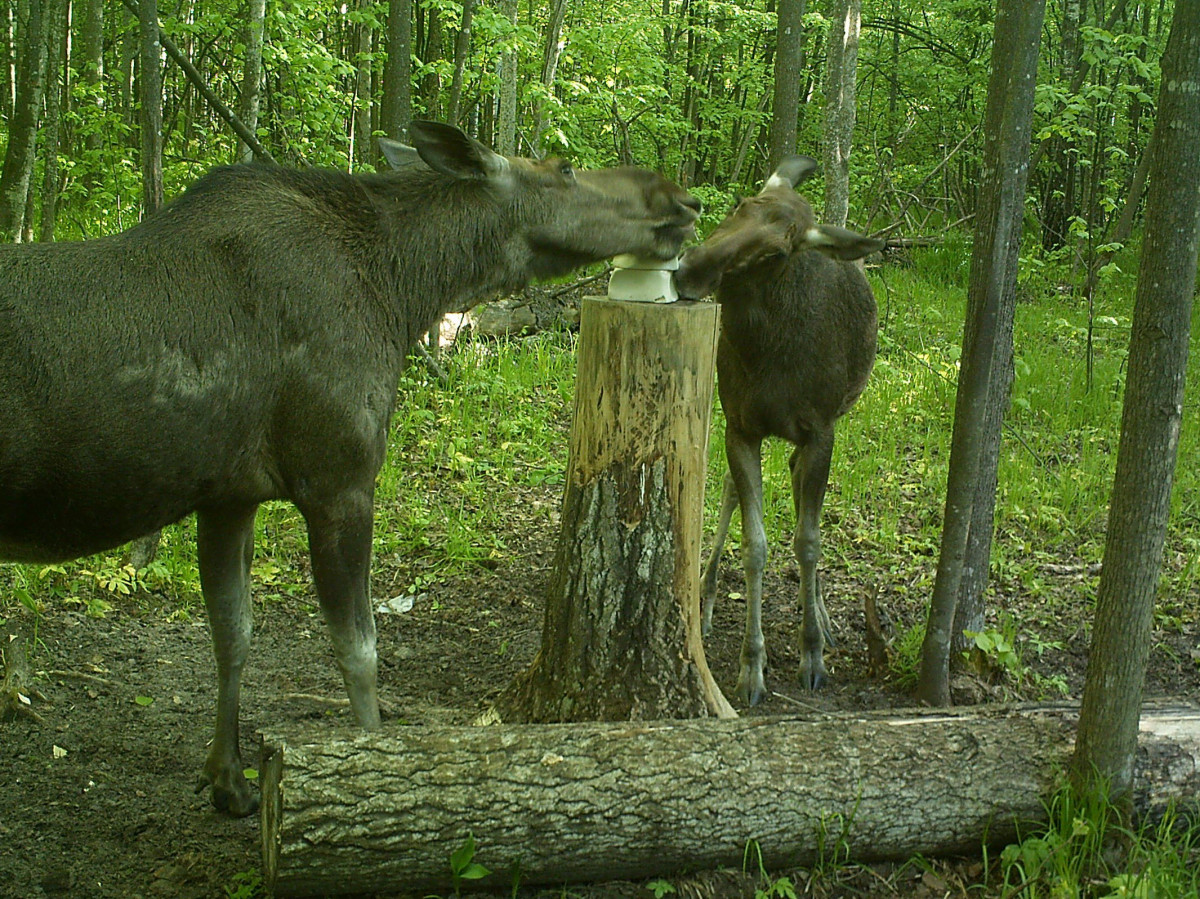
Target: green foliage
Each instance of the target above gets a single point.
(245, 885)
(463, 866)
(1084, 850)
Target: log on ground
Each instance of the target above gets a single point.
(347, 812)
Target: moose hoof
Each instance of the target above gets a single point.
(232, 797)
(751, 688)
(812, 673)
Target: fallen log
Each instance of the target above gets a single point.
(347, 812)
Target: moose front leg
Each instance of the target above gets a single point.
(745, 466)
(225, 548)
(810, 476)
(339, 536)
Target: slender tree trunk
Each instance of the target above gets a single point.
(8, 60)
(841, 68)
(506, 125)
(396, 112)
(1150, 423)
(90, 53)
(150, 96)
(431, 84)
(789, 56)
(1059, 202)
(462, 49)
(20, 154)
(991, 305)
(56, 26)
(251, 93)
(551, 50)
(360, 133)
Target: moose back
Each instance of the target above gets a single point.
(245, 344)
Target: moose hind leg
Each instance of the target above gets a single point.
(339, 535)
(225, 548)
(729, 501)
(745, 465)
(810, 476)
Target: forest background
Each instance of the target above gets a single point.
(686, 87)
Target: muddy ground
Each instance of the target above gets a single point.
(96, 798)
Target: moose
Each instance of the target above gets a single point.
(797, 344)
(245, 343)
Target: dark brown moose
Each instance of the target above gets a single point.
(797, 344)
(245, 344)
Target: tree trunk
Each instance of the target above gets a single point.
(21, 152)
(88, 53)
(462, 48)
(621, 638)
(352, 812)
(551, 50)
(56, 26)
(1059, 203)
(987, 341)
(8, 75)
(150, 96)
(431, 84)
(1150, 422)
(841, 67)
(360, 130)
(252, 73)
(506, 125)
(789, 71)
(396, 112)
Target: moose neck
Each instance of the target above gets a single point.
(448, 247)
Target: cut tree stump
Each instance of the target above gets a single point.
(621, 638)
(350, 812)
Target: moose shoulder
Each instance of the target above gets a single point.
(245, 344)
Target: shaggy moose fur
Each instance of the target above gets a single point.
(245, 344)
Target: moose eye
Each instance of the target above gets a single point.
(567, 170)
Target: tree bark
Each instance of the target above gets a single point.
(789, 72)
(150, 95)
(462, 47)
(90, 54)
(987, 340)
(346, 811)
(551, 50)
(841, 67)
(396, 112)
(506, 124)
(21, 152)
(252, 73)
(431, 84)
(621, 638)
(1150, 422)
(1059, 203)
(360, 130)
(7, 60)
(56, 25)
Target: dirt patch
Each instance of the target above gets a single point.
(96, 799)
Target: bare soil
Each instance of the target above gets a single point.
(96, 799)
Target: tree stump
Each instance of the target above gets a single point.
(345, 811)
(621, 638)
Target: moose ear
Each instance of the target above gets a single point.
(398, 155)
(791, 172)
(841, 243)
(447, 150)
